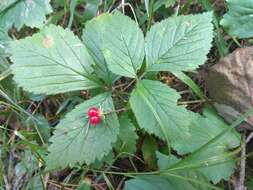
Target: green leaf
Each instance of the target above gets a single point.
(164, 161)
(72, 10)
(75, 141)
(162, 182)
(179, 43)
(92, 37)
(204, 128)
(146, 2)
(127, 137)
(83, 186)
(152, 182)
(4, 39)
(106, 160)
(52, 61)
(215, 162)
(24, 12)
(155, 107)
(123, 45)
(189, 82)
(149, 147)
(43, 127)
(4, 4)
(238, 20)
(91, 9)
(167, 3)
(171, 162)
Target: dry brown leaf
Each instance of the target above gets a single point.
(230, 84)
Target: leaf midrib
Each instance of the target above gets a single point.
(58, 63)
(173, 43)
(159, 120)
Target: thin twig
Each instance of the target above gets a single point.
(7, 184)
(123, 6)
(249, 138)
(191, 102)
(240, 184)
(130, 84)
(131, 7)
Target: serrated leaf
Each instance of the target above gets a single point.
(26, 12)
(155, 107)
(179, 43)
(161, 182)
(214, 161)
(92, 37)
(52, 61)
(217, 164)
(164, 161)
(195, 178)
(238, 20)
(75, 141)
(204, 128)
(127, 137)
(123, 44)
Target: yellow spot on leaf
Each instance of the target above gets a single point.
(48, 42)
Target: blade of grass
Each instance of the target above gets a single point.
(189, 82)
(5, 74)
(73, 5)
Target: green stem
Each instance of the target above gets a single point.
(150, 18)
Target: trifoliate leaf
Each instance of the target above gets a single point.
(127, 137)
(76, 141)
(238, 20)
(155, 107)
(179, 43)
(92, 36)
(52, 61)
(26, 12)
(123, 44)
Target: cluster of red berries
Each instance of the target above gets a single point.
(94, 115)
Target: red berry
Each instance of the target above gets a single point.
(93, 112)
(94, 120)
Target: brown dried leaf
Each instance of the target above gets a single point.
(230, 84)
